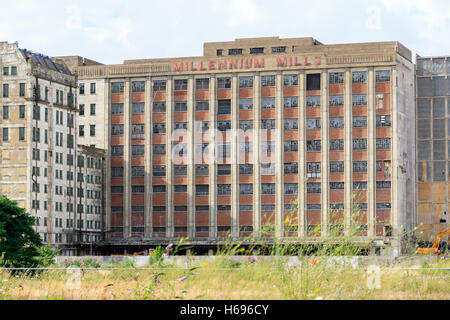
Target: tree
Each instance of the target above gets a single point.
(19, 243)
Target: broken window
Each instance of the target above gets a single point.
(359, 100)
(159, 149)
(336, 123)
(202, 170)
(180, 171)
(439, 171)
(245, 125)
(138, 86)
(138, 131)
(383, 143)
(313, 170)
(313, 123)
(117, 87)
(291, 124)
(246, 82)
(233, 52)
(224, 189)
(360, 122)
(246, 189)
(117, 129)
(291, 168)
(116, 108)
(383, 76)
(224, 125)
(138, 107)
(360, 144)
(337, 167)
(337, 145)
(360, 185)
(268, 81)
(159, 85)
(159, 128)
(268, 103)
(290, 188)
(359, 76)
(246, 104)
(224, 83)
(180, 85)
(290, 80)
(313, 145)
(290, 102)
(359, 166)
(336, 77)
(159, 171)
(201, 105)
(267, 169)
(383, 185)
(336, 185)
(268, 188)
(159, 107)
(383, 121)
(245, 169)
(245, 147)
(137, 150)
(268, 124)
(313, 101)
(291, 146)
(336, 100)
(313, 187)
(202, 190)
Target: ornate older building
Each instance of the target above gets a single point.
(38, 145)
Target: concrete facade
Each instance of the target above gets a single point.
(322, 127)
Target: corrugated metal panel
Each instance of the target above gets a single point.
(439, 171)
(438, 128)
(424, 129)
(439, 150)
(438, 107)
(439, 86)
(423, 108)
(424, 150)
(424, 87)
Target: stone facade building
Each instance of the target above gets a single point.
(38, 145)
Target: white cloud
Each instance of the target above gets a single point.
(374, 18)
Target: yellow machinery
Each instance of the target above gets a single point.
(435, 247)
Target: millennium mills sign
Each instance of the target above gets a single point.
(245, 63)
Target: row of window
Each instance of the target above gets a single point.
(59, 116)
(312, 82)
(92, 88)
(249, 208)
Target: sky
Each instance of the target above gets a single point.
(110, 31)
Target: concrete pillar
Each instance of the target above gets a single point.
(279, 153)
(169, 164)
(395, 163)
(325, 151)
(257, 154)
(148, 160)
(127, 161)
(212, 159)
(107, 203)
(235, 156)
(348, 147)
(191, 158)
(302, 154)
(371, 152)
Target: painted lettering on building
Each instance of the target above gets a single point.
(241, 64)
